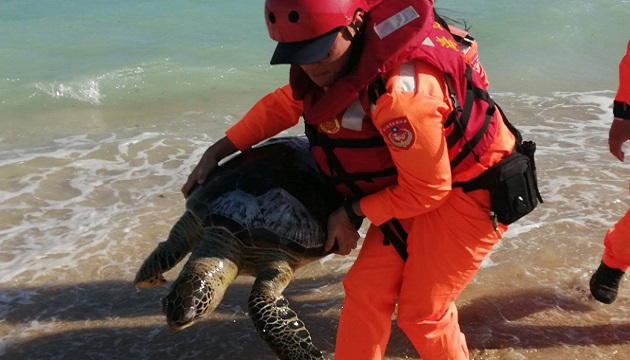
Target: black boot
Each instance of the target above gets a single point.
(605, 283)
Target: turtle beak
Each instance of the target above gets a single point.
(177, 315)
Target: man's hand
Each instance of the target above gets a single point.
(209, 161)
(341, 232)
(199, 175)
(619, 133)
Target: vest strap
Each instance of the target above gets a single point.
(376, 89)
(339, 176)
(363, 176)
(470, 144)
(318, 139)
(395, 234)
(460, 118)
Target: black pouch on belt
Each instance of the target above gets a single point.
(512, 184)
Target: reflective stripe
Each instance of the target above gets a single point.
(353, 116)
(407, 80)
(428, 42)
(395, 22)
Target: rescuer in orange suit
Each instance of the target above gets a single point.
(616, 259)
(382, 88)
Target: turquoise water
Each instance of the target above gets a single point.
(107, 105)
(540, 46)
(113, 53)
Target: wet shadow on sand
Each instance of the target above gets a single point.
(105, 320)
(539, 318)
(120, 299)
(112, 320)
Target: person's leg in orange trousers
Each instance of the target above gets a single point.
(617, 244)
(605, 282)
(446, 247)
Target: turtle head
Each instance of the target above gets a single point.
(182, 306)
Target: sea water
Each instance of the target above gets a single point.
(107, 105)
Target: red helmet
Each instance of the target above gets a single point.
(306, 29)
(299, 20)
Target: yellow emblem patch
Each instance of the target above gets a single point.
(447, 43)
(330, 127)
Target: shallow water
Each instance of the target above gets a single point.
(79, 214)
(100, 130)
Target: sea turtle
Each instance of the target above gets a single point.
(262, 213)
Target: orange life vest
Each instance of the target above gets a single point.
(347, 146)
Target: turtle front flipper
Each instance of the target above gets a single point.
(276, 323)
(201, 285)
(184, 236)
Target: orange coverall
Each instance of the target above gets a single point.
(449, 231)
(617, 240)
(449, 234)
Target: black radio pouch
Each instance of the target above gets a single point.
(512, 182)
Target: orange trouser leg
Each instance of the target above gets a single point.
(446, 247)
(449, 246)
(617, 244)
(371, 285)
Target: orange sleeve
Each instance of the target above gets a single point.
(411, 122)
(272, 114)
(623, 93)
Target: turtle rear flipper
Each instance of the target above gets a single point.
(184, 236)
(276, 323)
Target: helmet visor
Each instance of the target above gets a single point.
(304, 52)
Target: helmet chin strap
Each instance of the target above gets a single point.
(357, 46)
(356, 29)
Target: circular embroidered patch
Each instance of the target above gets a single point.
(399, 133)
(330, 127)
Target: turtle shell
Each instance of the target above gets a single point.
(272, 195)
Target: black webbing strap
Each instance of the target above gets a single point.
(364, 176)
(318, 139)
(344, 178)
(512, 128)
(333, 162)
(339, 175)
(470, 144)
(376, 89)
(462, 115)
(460, 122)
(395, 234)
(457, 108)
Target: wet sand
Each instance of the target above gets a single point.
(78, 215)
